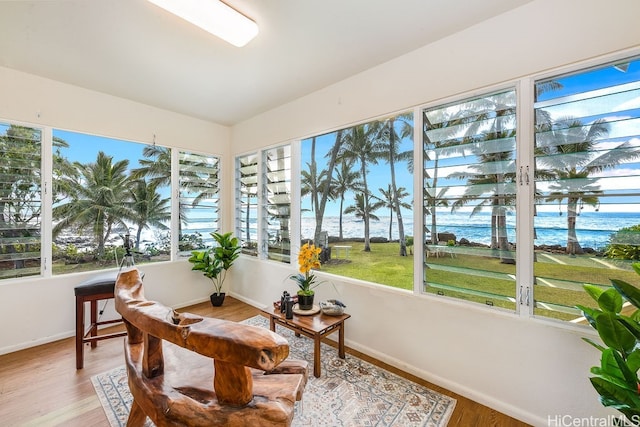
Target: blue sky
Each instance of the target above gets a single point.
(84, 148)
(378, 176)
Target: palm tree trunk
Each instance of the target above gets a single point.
(503, 241)
(494, 224)
(573, 246)
(365, 214)
(394, 189)
(248, 217)
(138, 235)
(326, 188)
(340, 217)
(433, 201)
(390, 222)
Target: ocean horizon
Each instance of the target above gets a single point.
(594, 229)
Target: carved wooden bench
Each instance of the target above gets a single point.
(185, 369)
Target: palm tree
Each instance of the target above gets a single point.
(20, 193)
(391, 142)
(361, 209)
(346, 180)
(494, 175)
(444, 124)
(325, 187)
(97, 200)
(362, 146)
(156, 168)
(149, 207)
(62, 167)
(389, 199)
(197, 174)
(567, 147)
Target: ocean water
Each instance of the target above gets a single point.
(593, 228)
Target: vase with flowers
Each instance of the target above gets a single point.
(308, 259)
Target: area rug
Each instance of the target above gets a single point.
(350, 392)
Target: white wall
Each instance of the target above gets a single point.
(530, 369)
(38, 310)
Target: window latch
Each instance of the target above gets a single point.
(523, 173)
(520, 176)
(524, 295)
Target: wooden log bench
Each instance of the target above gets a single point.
(190, 370)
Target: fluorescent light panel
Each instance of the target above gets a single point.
(214, 17)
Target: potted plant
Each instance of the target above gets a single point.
(308, 258)
(616, 379)
(216, 261)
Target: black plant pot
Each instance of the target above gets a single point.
(217, 299)
(305, 302)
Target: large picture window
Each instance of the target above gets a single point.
(103, 190)
(20, 201)
(469, 199)
(587, 184)
(356, 195)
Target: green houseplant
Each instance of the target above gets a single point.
(216, 261)
(616, 379)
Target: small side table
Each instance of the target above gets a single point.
(316, 326)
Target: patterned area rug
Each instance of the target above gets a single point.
(350, 392)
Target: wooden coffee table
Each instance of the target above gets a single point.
(316, 326)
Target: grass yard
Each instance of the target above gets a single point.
(479, 277)
(381, 265)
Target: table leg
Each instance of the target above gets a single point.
(272, 323)
(341, 341)
(79, 333)
(94, 321)
(316, 356)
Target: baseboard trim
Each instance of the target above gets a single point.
(35, 343)
(453, 386)
(249, 301)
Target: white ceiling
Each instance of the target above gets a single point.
(134, 50)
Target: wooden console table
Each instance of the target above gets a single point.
(316, 326)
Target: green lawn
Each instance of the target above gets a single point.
(476, 276)
(381, 265)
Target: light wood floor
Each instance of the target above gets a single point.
(40, 386)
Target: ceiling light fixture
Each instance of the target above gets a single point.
(214, 17)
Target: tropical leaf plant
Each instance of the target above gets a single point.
(216, 261)
(616, 379)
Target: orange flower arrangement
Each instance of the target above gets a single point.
(308, 259)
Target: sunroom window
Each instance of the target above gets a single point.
(247, 203)
(20, 201)
(470, 199)
(276, 215)
(103, 190)
(356, 194)
(587, 198)
(199, 182)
